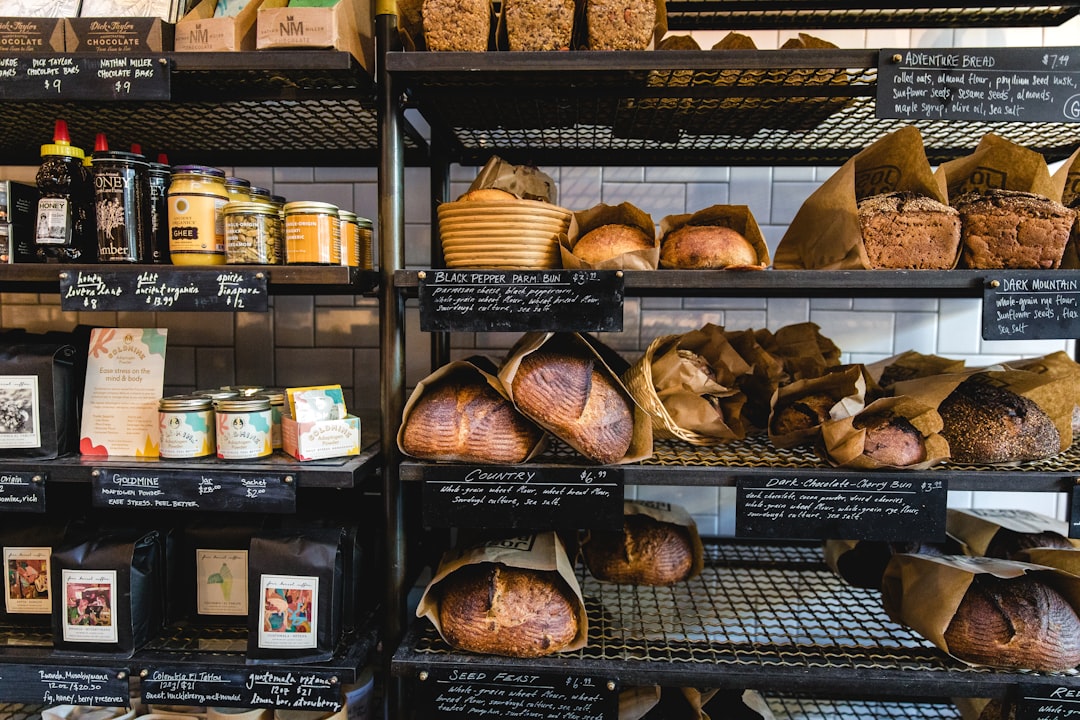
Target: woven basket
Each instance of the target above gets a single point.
(638, 380)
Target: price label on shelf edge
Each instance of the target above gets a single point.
(102, 77)
(459, 694)
(22, 492)
(210, 488)
(1031, 305)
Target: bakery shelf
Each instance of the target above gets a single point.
(808, 708)
(763, 616)
(734, 107)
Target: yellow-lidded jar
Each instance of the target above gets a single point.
(197, 199)
(252, 233)
(350, 238)
(312, 233)
(366, 244)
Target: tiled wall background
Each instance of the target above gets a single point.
(330, 339)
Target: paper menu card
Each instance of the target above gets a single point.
(125, 372)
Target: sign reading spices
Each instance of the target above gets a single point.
(1031, 305)
(22, 492)
(87, 685)
(74, 77)
(213, 288)
(229, 687)
(210, 489)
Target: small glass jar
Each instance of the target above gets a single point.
(187, 426)
(238, 188)
(312, 234)
(252, 232)
(217, 395)
(366, 244)
(243, 427)
(197, 199)
(260, 194)
(350, 238)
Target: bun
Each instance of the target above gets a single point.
(493, 608)
(988, 424)
(902, 230)
(464, 419)
(1009, 229)
(487, 194)
(703, 247)
(1019, 623)
(891, 439)
(572, 396)
(645, 552)
(1007, 543)
(609, 241)
(805, 413)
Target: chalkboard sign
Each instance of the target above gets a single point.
(1046, 702)
(22, 492)
(210, 489)
(242, 687)
(65, 685)
(1074, 512)
(981, 84)
(76, 77)
(522, 497)
(521, 300)
(517, 693)
(1031, 305)
(212, 288)
(878, 508)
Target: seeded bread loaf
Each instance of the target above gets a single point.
(984, 423)
(620, 24)
(1009, 229)
(457, 25)
(534, 25)
(645, 552)
(903, 230)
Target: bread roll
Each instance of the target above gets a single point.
(678, 42)
(902, 230)
(891, 439)
(703, 247)
(804, 413)
(609, 241)
(572, 395)
(493, 608)
(1018, 623)
(487, 194)
(645, 552)
(1009, 229)
(1007, 543)
(988, 424)
(464, 419)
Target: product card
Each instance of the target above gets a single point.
(89, 601)
(289, 611)
(222, 577)
(19, 412)
(28, 580)
(124, 377)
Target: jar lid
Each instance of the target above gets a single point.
(237, 182)
(240, 207)
(363, 222)
(217, 395)
(347, 216)
(302, 206)
(198, 170)
(252, 403)
(184, 403)
(105, 155)
(275, 395)
(260, 191)
(159, 167)
(243, 389)
(279, 199)
(62, 150)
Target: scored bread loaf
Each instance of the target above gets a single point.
(703, 247)
(891, 439)
(457, 25)
(984, 423)
(537, 25)
(904, 230)
(1019, 623)
(609, 241)
(645, 552)
(1011, 229)
(501, 610)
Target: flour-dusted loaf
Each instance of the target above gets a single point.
(704, 247)
(501, 610)
(891, 439)
(609, 241)
(645, 552)
(904, 230)
(535, 25)
(457, 25)
(620, 24)
(1011, 229)
(1018, 623)
(984, 423)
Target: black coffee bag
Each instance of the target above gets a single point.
(27, 544)
(38, 416)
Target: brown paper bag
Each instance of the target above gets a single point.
(543, 552)
(737, 217)
(909, 366)
(825, 232)
(1065, 559)
(621, 214)
(862, 563)
(636, 702)
(844, 442)
(766, 375)
(998, 164)
(526, 182)
(801, 347)
(1058, 364)
(973, 708)
(975, 528)
(845, 390)
(1066, 182)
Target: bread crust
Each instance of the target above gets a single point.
(704, 247)
(645, 552)
(904, 230)
(1007, 543)
(891, 439)
(803, 413)
(1010, 229)
(483, 194)
(988, 424)
(609, 241)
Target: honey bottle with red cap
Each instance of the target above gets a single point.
(64, 230)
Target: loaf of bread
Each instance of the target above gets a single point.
(1010, 229)
(704, 247)
(501, 610)
(457, 25)
(609, 241)
(903, 230)
(645, 552)
(678, 42)
(984, 423)
(1018, 623)
(570, 393)
(620, 24)
(536, 25)
(806, 412)
(464, 419)
(486, 194)
(891, 439)
(1007, 543)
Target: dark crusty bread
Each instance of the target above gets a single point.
(891, 439)
(608, 241)
(1007, 543)
(864, 564)
(1010, 229)
(704, 247)
(493, 608)
(903, 230)
(465, 419)
(1018, 623)
(805, 413)
(984, 423)
(536, 25)
(645, 552)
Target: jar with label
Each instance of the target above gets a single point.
(252, 232)
(243, 427)
(197, 199)
(261, 194)
(312, 234)
(350, 239)
(65, 210)
(217, 395)
(365, 243)
(238, 188)
(160, 175)
(122, 206)
(187, 426)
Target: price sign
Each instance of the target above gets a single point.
(229, 687)
(209, 489)
(523, 497)
(1031, 305)
(22, 492)
(885, 508)
(473, 692)
(982, 84)
(163, 290)
(521, 300)
(74, 77)
(65, 685)
(1047, 702)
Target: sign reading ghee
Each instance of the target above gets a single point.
(312, 234)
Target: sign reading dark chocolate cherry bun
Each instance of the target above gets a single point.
(67, 77)
(294, 689)
(1031, 305)
(22, 492)
(213, 288)
(521, 300)
(1040, 84)
(523, 497)
(150, 488)
(883, 507)
(472, 691)
(1046, 701)
(87, 684)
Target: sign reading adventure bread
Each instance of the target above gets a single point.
(1031, 305)
(471, 691)
(982, 84)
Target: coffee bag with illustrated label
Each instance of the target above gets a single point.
(27, 545)
(37, 400)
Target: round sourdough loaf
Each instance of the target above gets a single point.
(903, 230)
(609, 241)
(704, 247)
(487, 194)
(501, 610)
(891, 439)
(645, 552)
(984, 423)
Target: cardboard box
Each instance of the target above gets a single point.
(200, 31)
(118, 35)
(321, 438)
(345, 26)
(31, 35)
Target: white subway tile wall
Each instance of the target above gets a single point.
(307, 340)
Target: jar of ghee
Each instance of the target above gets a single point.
(238, 188)
(197, 199)
(187, 426)
(243, 427)
(350, 238)
(365, 243)
(252, 232)
(312, 234)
